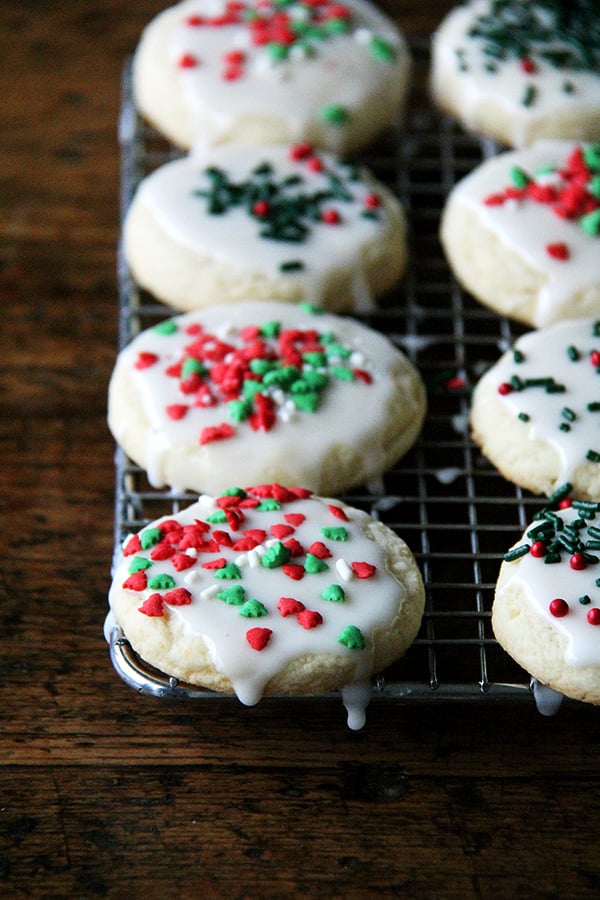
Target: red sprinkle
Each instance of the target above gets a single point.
(136, 582)
(294, 519)
(528, 65)
(363, 569)
(565, 503)
(293, 571)
(295, 547)
(145, 360)
(538, 549)
(216, 433)
(372, 201)
(558, 251)
(176, 411)
(281, 531)
(301, 150)
(288, 606)
(182, 561)
(309, 618)
(338, 512)
(593, 616)
(505, 388)
(258, 638)
(215, 563)
(153, 606)
(132, 546)
(188, 61)
(578, 562)
(331, 217)
(595, 357)
(261, 208)
(319, 550)
(558, 607)
(178, 597)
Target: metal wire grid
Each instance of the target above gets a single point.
(455, 512)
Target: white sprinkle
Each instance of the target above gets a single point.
(192, 577)
(210, 592)
(344, 570)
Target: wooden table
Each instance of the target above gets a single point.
(107, 793)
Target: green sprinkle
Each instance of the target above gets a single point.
(150, 538)
(518, 356)
(591, 223)
(253, 609)
(313, 564)
(560, 493)
(270, 329)
(276, 556)
(342, 374)
(551, 558)
(382, 50)
(519, 177)
(291, 265)
(306, 402)
(516, 553)
(592, 456)
(594, 406)
(334, 593)
(338, 350)
(568, 414)
(161, 582)
(283, 377)
(523, 416)
(138, 564)
(352, 638)
(594, 186)
(234, 596)
(335, 114)
(239, 410)
(268, 506)
(250, 388)
(530, 95)
(234, 492)
(168, 327)
(585, 600)
(573, 353)
(336, 533)
(591, 156)
(310, 308)
(315, 358)
(276, 51)
(229, 571)
(193, 366)
(217, 518)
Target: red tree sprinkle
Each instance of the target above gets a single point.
(363, 569)
(558, 251)
(145, 360)
(289, 606)
(188, 61)
(258, 638)
(309, 618)
(216, 433)
(153, 606)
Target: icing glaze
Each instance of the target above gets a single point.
(303, 63)
(573, 581)
(264, 375)
(301, 578)
(550, 380)
(333, 213)
(537, 229)
(521, 57)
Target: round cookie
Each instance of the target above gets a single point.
(264, 391)
(522, 232)
(279, 222)
(546, 611)
(536, 412)
(213, 72)
(269, 591)
(519, 71)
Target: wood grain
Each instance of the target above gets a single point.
(108, 794)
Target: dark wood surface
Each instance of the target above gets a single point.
(106, 793)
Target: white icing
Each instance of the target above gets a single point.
(546, 355)
(543, 582)
(233, 237)
(526, 228)
(339, 69)
(506, 86)
(252, 453)
(547, 700)
(370, 603)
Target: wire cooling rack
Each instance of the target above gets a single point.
(455, 512)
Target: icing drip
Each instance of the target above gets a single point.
(547, 700)
(551, 382)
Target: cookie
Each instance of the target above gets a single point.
(269, 590)
(536, 412)
(522, 232)
(263, 391)
(213, 72)
(519, 71)
(280, 222)
(546, 611)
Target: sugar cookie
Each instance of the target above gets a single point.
(256, 71)
(536, 412)
(522, 232)
(264, 392)
(521, 71)
(546, 611)
(279, 222)
(269, 591)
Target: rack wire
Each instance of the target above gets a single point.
(457, 514)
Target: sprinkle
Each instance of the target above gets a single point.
(560, 493)
(253, 609)
(228, 571)
(309, 618)
(335, 114)
(234, 596)
(558, 251)
(138, 564)
(592, 456)
(176, 411)
(293, 571)
(145, 359)
(585, 600)
(136, 582)
(344, 570)
(153, 606)
(352, 638)
(593, 616)
(313, 565)
(335, 534)
(578, 562)
(216, 433)
(530, 95)
(320, 550)
(338, 512)
(276, 556)
(294, 519)
(258, 638)
(538, 549)
(382, 50)
(150, 538)
(516, 553)
(161, 582)
(363, 569)
(288, 606)
(178, 597)
(188, 61)
(333, 593)
(558, 608)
